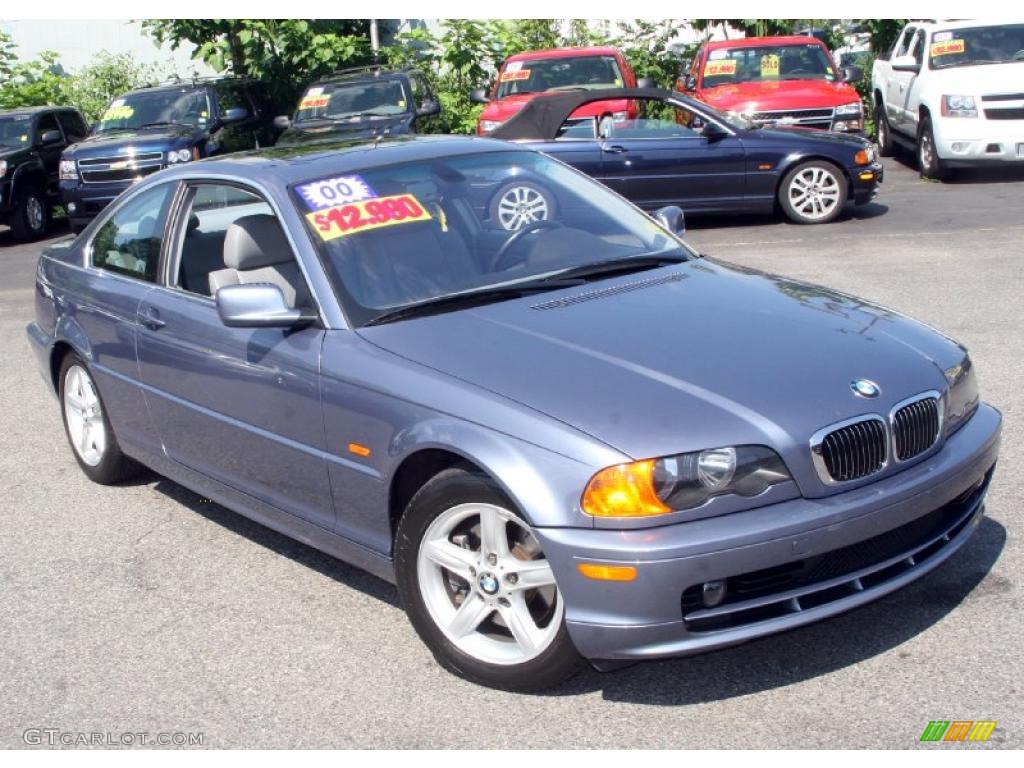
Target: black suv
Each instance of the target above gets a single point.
(31, 140)
(151, 128)
(363, 102)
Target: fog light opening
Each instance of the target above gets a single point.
(961, 146)
(994, 149)
(713, 593)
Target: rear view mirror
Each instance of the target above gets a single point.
(51, 137)
(646, 82)
(712, 131)
(853, 74)
(690, 83)
(478, 96)
(671, 217)
(428, 108)
(905, 64)
(258, 305)
(282, 122)
(234, 115)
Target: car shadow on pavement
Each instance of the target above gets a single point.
(697, 222)
(259, 534)
(817, 649)
(987, 174)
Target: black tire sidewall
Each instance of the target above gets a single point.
(114, 466)
(449, 488)
(541, 189)
(19, 222)
(885, 149)
(783, 195)
(935, 170)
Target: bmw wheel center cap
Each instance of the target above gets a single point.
(488, 583)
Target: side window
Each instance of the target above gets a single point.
(232, 95)
(73, 125)
(903, 47)
(47, 122)
(419, 91)
(918, 50)
(129, 242)
(232, 237)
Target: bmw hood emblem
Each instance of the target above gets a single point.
(865, 388)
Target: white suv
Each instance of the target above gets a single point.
(954, 91)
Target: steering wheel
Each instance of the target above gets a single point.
(498, 263)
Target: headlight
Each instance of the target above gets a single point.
(850, 110)
(962, 398)
(489, 125)
(68, 170)
(959, 106)
(687, 480)
(864, 157)
(3, 168)
(179, 156)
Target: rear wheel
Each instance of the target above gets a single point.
(88, 426)
(477, 587)
(813, 193)
(31, 215)
(928, 159)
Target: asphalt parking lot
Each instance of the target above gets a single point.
(143, 608)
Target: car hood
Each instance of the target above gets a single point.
(982, 78)
(502, 109)
(317, 133)
(153, 139)
(686, 357)
(776, 95)
(804, 137)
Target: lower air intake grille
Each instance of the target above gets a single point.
(915, 427)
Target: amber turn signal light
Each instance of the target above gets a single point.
(601, 572)
(625, 490)
(862, 158)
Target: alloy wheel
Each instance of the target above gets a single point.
(84, 415)
(35, 214)
(814, 193)
(487, 586)
(521, 205)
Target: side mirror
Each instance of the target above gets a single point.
(52, 136)
(690, 83)
(853, 74)
(282, 122)
(646, 82)
(428, 108)
(905, 63)
(671, 217)
(234, 115)
(258, 305)
(712, 131)
(479, 96)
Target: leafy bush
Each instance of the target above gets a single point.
(29, 83)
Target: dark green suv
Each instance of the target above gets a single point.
(31, 141)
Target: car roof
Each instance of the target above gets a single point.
(365, 75)
(288, 165)
(562, 53)
(963, 23)
(752, 42)
(190, 84)
(32, 110)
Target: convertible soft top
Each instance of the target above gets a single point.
(542, 118)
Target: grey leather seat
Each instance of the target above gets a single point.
(257, 251)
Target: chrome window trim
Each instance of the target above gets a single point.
(819, 437)
(940, 406)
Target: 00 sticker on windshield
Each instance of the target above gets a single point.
(365, 215)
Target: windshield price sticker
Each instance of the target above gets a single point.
(366, 215)
(515, 74)
(314, 101)
(770, 65)
(119, 112)
(722, 67)
(337, 191)
(948, 47)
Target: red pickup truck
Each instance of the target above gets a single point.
(777, 81)
(523, 76)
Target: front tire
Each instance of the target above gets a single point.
(813, 193)
(31, 215)
(477, 587)
(886, 148)
(88, 427)
(929, 162)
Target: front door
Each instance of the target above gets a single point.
(240, 405)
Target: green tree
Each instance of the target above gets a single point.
(37, 82)
(107, 76)
(883, 33)
(285, 53)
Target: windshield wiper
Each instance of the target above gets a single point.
(164, 122)
(473, 297)
(622, 264)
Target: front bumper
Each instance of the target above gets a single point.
(864, 181)
(84, 201)
(978, 141)
(654, 615)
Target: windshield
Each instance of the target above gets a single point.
(767, 63)
(539, 75)
(187, 106)
(977, 45)
(413, 232)
(15, 131)
(352, 100)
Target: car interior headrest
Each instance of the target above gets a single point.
(256, 241)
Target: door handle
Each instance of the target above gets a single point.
(151, 319)
(613, 149)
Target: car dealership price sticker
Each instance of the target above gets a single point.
(723, 67)
(365, 215)
(330, 192)
(948, 47)
(515, 74)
